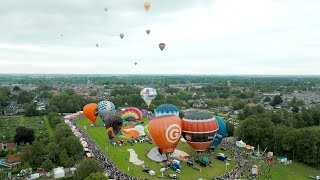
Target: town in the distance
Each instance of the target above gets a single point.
(136, 127)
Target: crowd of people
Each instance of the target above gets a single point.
(110, 168)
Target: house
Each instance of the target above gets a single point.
(8, 146)
(14, 161)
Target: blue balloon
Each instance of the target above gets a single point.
(222, 132)
(105, 108)
(166, 109)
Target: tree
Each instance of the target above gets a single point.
(93, 93)
(71, 144)
(267, 99)
(60, 131)
(230, 128)
(69, 163)
(53, 108)
(53, 151)
(47, 165)
(86, 167)
(30, 109)
(276, 100)
(25, 97)
(63, 157)
(24, 135)
(96, 176)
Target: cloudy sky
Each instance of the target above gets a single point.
(201, 36)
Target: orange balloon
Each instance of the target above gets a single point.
(165, 131)
(89, 111)
(147, 6)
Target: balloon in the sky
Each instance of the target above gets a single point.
(105, 108)
(148, 31)
(199, 130)
(113, 125)
(162, 46)
(221, 132)
(148, 95)
(121, 35)
(135, 63)
(147, 6)
(61, 35)
(97, 45)
(131, 114)
(105, 9)
(91, 111)
(165, 131)
(166, 109)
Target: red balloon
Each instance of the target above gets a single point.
(162, 46)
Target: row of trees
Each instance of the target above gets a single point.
(283, 132)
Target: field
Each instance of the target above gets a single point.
(8, 126)
(120, 156)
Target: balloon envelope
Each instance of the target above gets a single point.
(162, 46)
(147, 6)
(165, 131)
(148, 32)
(199, 130)
(148, 95)
(121, 35)
(221, 132)
(105, 108)
(166, 109)
(131, 114)
(91, 111)
(113, 125)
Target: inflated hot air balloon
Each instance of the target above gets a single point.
(166, 109)
(148, 95)
(199, 130)
(97, 45)
(105, 9)
(148, 32)
(147, 6)
(121, 35)
(165, 131)
(221, 132)
(105, 108)
(162, 46)
(113, 125)
(91, 111)
(135, 63)
(131, 114)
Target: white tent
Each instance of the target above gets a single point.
(240, 144)
(58, 172)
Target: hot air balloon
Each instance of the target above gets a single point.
(113, 125)
(165, 132)
(105, 108)
(121, 35)
(166, 109)
(147, 6)
(148, 32)
(131, 114)
(97, 45)
(199, 130)
(135, 63)
(91, 111)
(105, 9)
(220, 134)
(148, 95)
(162, 46)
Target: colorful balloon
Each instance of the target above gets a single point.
(91, 111)
(199, 130)
(166, 109)
(121, 35)
(148, 32)
(131, 114)
(147, 6)
(113, 125)
(222, 132)
(162, 46)
(105, 108)
(148, 95)
(165, 131)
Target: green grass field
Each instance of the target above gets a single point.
(8, 126)
(120, 156)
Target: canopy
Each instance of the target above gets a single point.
(240, 144)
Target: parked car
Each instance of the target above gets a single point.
(221, 156)
(119, 143)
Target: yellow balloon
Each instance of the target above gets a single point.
(147, 6)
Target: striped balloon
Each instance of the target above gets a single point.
(131, 114)
(199, 130)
